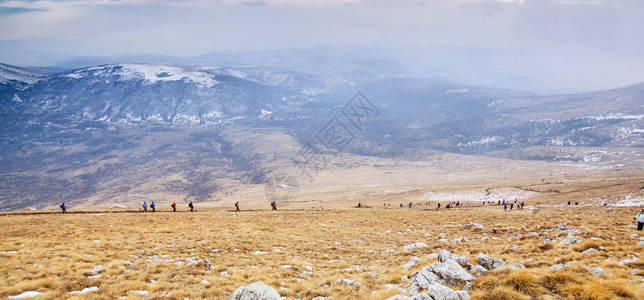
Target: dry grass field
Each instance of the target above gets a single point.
(302, 252)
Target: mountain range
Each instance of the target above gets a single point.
(117, 131)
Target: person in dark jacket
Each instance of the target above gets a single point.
(192, 207)
(145, 206)
(63, 208)
(640, 220)
(237, 206)
(174, 206)
(273, 205)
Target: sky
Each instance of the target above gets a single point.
(591, 36)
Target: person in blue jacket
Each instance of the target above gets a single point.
(63, 207)
(152, 206)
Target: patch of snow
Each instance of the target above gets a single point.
(86, 290)
(27, 294)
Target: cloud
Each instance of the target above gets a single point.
(7, 11)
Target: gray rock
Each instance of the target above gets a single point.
(516, 267)
(640, 244)
(319, 298)
(348, 282)
(414, 246)
(588, 251)
(597, 271)
(473, 225)
(436, 291)
(488, 262)
(444, 255)
(411, 262)
(477, 270)
(568, 241)
(450, 272)
(557, 267)
(255, 291)
(422, 279)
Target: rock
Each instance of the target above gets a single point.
(444, 255)
(422, 279)
(459, 240)
(597, 271)
(557, 267)
(436, 291)
(485, 238)
(411, 262)
(97, 269)
(473, 225)
(588, 251)
(348, 282)
(255, 291)
(205, 282)
(568, 241)
(488, 262)
(414, 246)
(451, 272)
(640, 244)
(477, 270)
(319, 298)
(514, 246)
(516, 267)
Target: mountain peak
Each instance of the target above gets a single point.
(149, 73)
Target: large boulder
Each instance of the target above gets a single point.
(451, 272)
(488, 262)
(255, 291)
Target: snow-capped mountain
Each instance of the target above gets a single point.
(120, 131)
(164, 94)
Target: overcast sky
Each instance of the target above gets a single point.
(606, 34)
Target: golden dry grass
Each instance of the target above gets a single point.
(302, 253)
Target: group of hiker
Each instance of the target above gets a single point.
(173, 206)
(519, 205)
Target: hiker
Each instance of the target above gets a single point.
(505, 206)
(174, 206)
(401, 206)
(152, 206)
(568, 202)
(273, 205)
(237, 206)
(438, 206)
(640, 220)
(511, 206)
(359, 204)
(63, 207)
(192, 207)
(145, 206)
(409, 204)
(576, 203)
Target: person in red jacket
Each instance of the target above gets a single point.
(174, 206)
